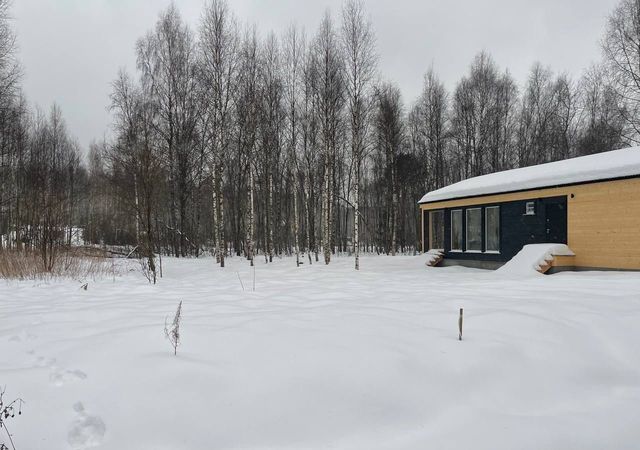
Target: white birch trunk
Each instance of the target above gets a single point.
(135, 189)
(270, 218)
(250, 220)
(295, 222)
(221, 237)
(326, 213)
(215, 216)
(394, 210)
(356, 216)
(306, 218)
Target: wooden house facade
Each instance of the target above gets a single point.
(594, 208)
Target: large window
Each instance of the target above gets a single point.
(436, 230)
(492, 228)
(474, 230)
(456, 230)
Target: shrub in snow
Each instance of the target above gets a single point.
(172, 332)
(148, 268)
(73, 264)
(8, 411)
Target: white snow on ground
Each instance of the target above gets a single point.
(601, 166)
(323, 357)
(528, 260)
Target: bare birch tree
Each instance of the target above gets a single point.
(219, 42)
(247, 119)
(621, 48)
(389, 124)
(329, 92)
(360, 69)
(136, 154)
(601, 124)
(168, 66)
(294, 50)
(272, 114)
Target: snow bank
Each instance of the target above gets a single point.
(324, 357)
(613, 164)
(433, 256)
(529, 260)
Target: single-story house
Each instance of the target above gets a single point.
(591, 203)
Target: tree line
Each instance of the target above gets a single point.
(41, 168)
(229, 142)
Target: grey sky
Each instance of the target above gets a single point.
(72, 49)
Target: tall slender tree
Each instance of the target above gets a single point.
(360, 70)
(219, 42)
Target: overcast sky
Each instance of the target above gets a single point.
(72, 49)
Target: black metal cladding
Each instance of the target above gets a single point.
(547, 225)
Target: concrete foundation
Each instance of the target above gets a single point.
(472, 263)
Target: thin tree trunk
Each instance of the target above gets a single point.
(137, 200)
(249, 236)
(270, 215)
(222, 244)
(356, 215)
(394, 208)
(296, 224)
(306, 215)
(215, 216)
(327, 212)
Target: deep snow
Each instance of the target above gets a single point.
(601, 166)
(532, 257)
(325, 357)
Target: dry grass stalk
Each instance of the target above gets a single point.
(74, 264)
(172, 332)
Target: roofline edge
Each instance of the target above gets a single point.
(603, 180)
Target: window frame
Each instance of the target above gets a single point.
(486, 230)
(431, 223)
(466, 230)
(457, 250)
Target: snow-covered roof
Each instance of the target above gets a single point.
(601, 166)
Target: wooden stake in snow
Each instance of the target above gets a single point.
(460, 326)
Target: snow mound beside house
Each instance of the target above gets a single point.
(601, 166)
(433, 257)
(532, 257)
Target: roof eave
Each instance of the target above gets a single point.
(464, 197)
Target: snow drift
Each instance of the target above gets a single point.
(532, 257)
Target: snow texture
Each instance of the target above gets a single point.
(324, 357)
(433, 256)
(601, 166)
(530, 259)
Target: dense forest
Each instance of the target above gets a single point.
(231, 142)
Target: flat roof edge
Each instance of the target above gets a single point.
(577, 183)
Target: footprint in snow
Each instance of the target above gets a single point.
(24, 336)
(60, 377)
(86, 431)
(42, 361)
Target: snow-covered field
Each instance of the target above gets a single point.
(322, 357)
